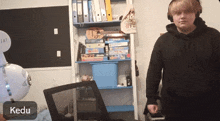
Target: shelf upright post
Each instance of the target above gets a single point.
(134, 83)
(72, 56)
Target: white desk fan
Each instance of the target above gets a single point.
(15, 82)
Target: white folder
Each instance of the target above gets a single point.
(103, 10)
(74, 11)
(97, 11)
(79, 9)
(93, 12)
(85, 11)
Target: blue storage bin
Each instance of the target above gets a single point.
(105, 74)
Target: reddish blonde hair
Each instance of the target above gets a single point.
(192, 6)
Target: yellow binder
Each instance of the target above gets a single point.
(108, 10)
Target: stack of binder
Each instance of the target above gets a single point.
(94, 50)
(91, 11)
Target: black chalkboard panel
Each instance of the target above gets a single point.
(32, 34)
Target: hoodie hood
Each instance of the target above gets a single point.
(200, 28)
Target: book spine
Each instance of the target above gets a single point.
(118, 52)
(116, 41)
(118, 44)
(119, 57)
(89, 41)
(119, 48)
(94, 50)
(95, 45)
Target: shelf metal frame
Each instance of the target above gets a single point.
(73, 44)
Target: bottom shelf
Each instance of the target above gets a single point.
(116, 87)
(120, 108)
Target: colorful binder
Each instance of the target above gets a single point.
(108, 10)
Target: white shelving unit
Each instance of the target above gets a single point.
(74, 37)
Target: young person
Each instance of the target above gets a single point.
(187, 58)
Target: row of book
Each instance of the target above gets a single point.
(110, 49)
(91, 11)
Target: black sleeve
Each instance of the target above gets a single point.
(154, 73)
(216, 57)
(216, 45)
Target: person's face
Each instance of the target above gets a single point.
(183, 18)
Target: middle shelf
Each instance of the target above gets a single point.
(102, 61)
(104, 56)
(105, 73)
(115, 87)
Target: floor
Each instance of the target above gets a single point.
(126, 116)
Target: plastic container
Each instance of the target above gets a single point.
(105, 74)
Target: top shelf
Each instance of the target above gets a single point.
(97, 24)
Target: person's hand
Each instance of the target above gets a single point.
(2, 118)
(152, 108)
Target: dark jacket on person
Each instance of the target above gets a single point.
(189, 66)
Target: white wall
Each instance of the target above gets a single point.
(151, 16)
(14, 4)
(210, 13)
(42, 78)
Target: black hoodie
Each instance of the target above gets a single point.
(189, 66)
